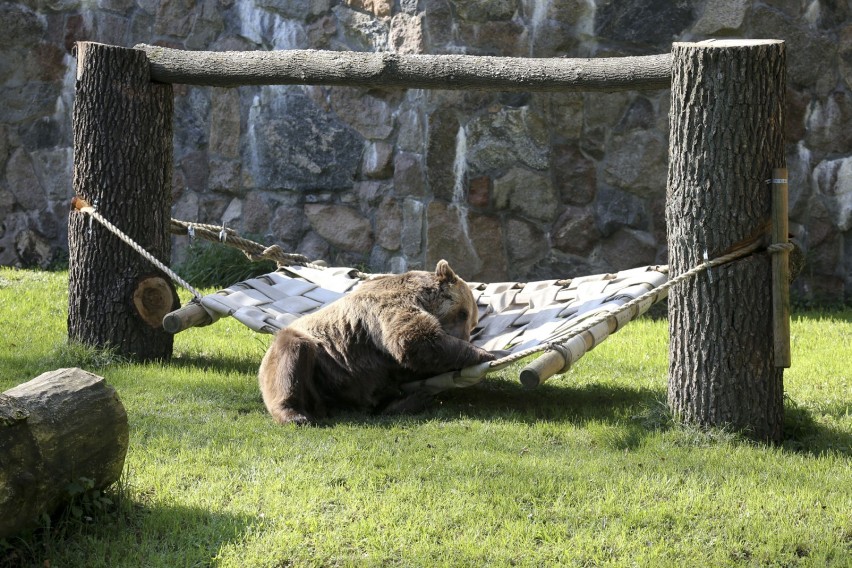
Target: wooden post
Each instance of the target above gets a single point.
(726, 136)
(122, 167)
(780, 269)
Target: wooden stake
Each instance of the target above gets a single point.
(780, 270)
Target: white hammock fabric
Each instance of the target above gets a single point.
(515, 319)
(512, 316)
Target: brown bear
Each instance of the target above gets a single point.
(354, 353)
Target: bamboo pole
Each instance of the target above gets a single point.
(565, 353)
(780, 270)
(190, 315)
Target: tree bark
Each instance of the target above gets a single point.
(726, 136)
(123, 167)
(385, 70)
(55, 429)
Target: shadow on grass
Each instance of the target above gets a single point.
(803, 434)
(219, 363)
(130, 534)
(632, 413)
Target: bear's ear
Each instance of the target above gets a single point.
(444, 273)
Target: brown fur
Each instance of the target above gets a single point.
(354, 353)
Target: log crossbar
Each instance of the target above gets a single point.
(393, 70)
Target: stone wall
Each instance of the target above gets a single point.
(503, 185)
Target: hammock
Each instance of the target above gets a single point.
(566, 317)
(563, 319)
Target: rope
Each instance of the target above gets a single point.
(780, 247)
(253, 250)
(83, 207)
(658, 292)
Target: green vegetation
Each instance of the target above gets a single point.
(589, 470)
(209, 265)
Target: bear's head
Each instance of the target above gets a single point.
(455, 307)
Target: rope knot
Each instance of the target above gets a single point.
(780, 247)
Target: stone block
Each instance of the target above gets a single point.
(369, 114)
(637, 161)
(443, 131)
(501, 139)
(639, 115)
(233, 215)
(225, 176)
(389, 224)
(314, 247)
(488, 237)
(845, 55)
(410, 137)
(655, 22)
(809, 52)
(527, 193)
(23, 182)
(574, 175)
(195, 168)
(615, 209)
(576, 231)
(186, 207)
(437, 24)
(342, 226)
(257, 212)
(406, 33)
(827, 121)
(362, 32)
(225, 123)
(721, 16)
(291, 143)
(376, 162)
(479, 192)
(563, 111)
(54, 169)
(526, 244)
(20, 24)
(379, 8)
(25, 99)
(833, 182)
(288, 226)
(629, 248)
(448, 237)
(478, 11)
(412, 227)
(409, 176)
(504, 38)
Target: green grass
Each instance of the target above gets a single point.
(588, 470)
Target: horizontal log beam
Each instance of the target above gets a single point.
(393, 70)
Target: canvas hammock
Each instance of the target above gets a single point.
(516, 320)
(562, 319)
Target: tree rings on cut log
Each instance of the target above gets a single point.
(153, 298)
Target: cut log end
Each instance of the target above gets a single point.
(153, 298)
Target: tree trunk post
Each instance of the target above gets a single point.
(123, 167)
(726, 137)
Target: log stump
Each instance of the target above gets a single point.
(55, 429)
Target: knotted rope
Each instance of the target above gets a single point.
(84, 207)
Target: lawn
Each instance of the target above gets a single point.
(588, 470)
